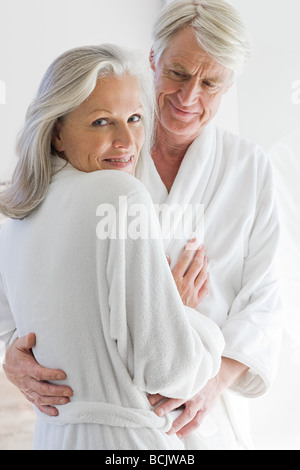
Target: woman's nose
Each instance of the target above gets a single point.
(123, 137)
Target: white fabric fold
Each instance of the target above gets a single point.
(104, 310)
(233, 180)
(108, 414)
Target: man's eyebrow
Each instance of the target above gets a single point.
(181, 68)
(215, 80)
(177, 66)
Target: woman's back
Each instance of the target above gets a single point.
(99, 308)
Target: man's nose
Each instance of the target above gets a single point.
(189, 92)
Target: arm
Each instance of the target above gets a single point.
(196, 408)
(167, 348)
(256, 312)
(191, 267)
(253, 330)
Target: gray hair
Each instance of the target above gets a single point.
(218, 28)
(69, 80)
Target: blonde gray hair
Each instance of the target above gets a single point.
(218, 28)
(68, 82)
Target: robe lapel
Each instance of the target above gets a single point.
(193, 177)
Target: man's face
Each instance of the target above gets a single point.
(189, 86)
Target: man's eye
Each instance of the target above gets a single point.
(100, 122)
(178, 74)
(208, 84)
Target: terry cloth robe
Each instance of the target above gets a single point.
(232, 179)
(105, 309)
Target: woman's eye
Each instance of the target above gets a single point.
(135, 118)
(100, 122)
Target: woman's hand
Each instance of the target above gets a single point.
(191, 276)
(26, 374)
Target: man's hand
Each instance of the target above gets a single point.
(194, 410)
(26, 374)
(199, 406)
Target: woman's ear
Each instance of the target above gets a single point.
(151, 60)
(56, 138)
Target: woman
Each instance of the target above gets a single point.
(103, 305)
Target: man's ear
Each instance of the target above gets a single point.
(56, 139)
(151, 60)
(228, 88)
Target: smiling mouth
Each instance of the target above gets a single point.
(182, 112)
(120, 160)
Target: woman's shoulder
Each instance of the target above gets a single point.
(102, 185)
(115, 181)
(110, 185)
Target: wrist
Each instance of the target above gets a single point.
(230, 371)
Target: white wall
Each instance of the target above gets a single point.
(269, 106)
(34, 32)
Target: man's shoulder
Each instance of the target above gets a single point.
(239, 148)
(231, 139)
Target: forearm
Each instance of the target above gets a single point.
(230, 371)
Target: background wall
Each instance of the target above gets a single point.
(35, 32)
(268, 110)
(263, 106)
(269, 89)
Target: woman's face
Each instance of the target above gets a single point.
(106, 131)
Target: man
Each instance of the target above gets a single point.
(199, 48)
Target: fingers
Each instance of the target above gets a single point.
(32, 379)
(46, 393)
(191, 426)
(155, 399)
(45, 396)
(191, 263)
(25, 343)
(48, 410)
(48, 401)
(197, 272)
(188, 421)
(191, 276)
(204, 290)
(185, 258)
(40, 373)
(167, 406)
(29, 341)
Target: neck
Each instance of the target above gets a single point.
(168, 153)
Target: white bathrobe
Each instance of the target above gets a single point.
(104, 310)
(233, 180)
